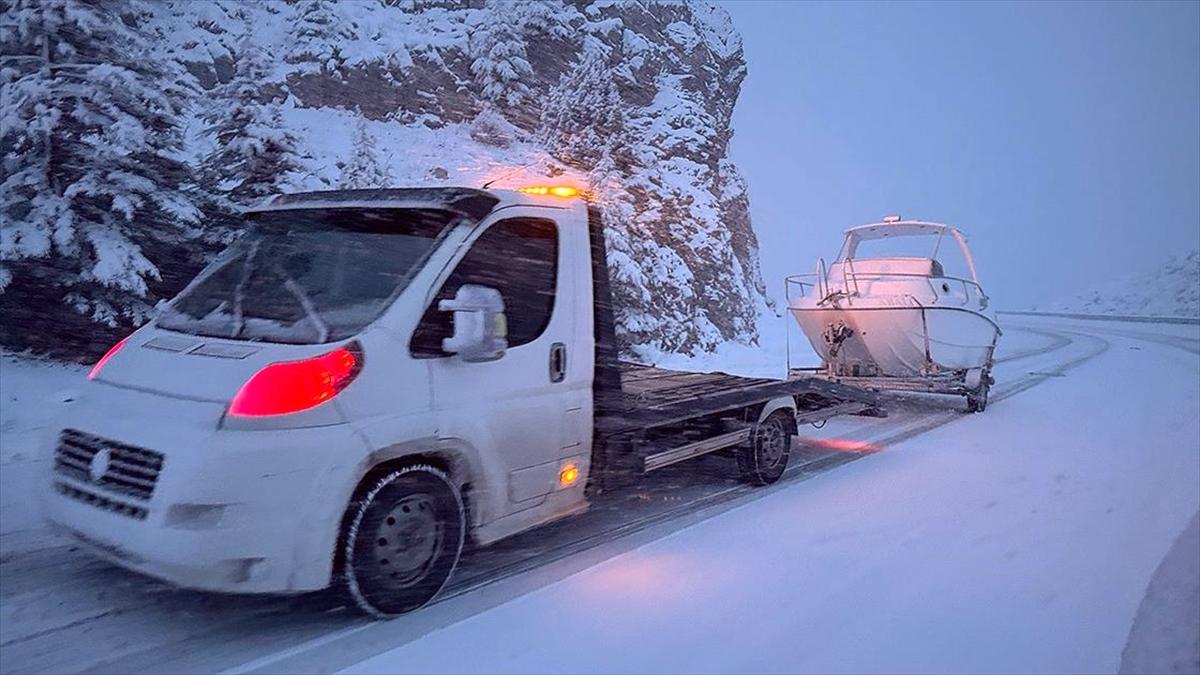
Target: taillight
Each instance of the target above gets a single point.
(293, 386)
(112, 351)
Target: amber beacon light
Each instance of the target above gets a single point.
(564, 191)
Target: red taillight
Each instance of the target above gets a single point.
(112, 351)
(292, 386)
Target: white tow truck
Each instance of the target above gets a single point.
(367, 378)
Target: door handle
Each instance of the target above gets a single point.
(558, 362)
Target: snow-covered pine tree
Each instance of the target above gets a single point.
(674, 142)
(498, 59)
(584, 123)
(93, 190)
(315, 36)
(583, 118)
(365, 168)
(253, 151)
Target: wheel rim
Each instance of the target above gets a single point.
(772, 443)
(407, 541)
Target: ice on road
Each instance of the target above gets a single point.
(1019, 540)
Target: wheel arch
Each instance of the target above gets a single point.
(787, 403)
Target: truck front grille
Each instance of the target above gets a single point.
(111, 466)
(100, 501)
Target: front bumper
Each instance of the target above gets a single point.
(235, 511)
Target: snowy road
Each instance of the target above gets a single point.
(1022, 539)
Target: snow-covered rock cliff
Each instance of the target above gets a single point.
(631, 99)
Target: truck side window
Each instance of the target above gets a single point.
(518, 257)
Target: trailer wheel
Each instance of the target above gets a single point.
(977, 401)
(763, 458)
(403, 541)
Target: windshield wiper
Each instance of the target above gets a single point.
(310, 310)
(239, 320)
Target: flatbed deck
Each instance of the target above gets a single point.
(661, 417)
(652, 396)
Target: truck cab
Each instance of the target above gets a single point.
(367, 378)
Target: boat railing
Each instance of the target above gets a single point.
(801, 285)
(848, 263)
(933, 282)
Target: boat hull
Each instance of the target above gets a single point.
(898, 341)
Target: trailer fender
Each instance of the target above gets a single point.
(778, 403)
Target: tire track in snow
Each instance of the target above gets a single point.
(303, 624)
(1005, 390)
(925, 405)
(1183, 342)
(1057, 341)
(717, 502)
(796, 471)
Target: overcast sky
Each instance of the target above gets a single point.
(1063, 138)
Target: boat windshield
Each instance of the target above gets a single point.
(904, 246)
(941, 247)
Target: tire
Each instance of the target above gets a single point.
(762, 459)
(403, 541)
(977, 402)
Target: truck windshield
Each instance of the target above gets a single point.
(307, 276)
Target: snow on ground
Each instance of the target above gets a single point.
(1172, 290)
(1019, 540)
(31, 392)
(1023, 539)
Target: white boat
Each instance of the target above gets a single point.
(901, 304)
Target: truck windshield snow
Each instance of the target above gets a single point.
(307, 276)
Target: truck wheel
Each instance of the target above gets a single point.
(403, 541)
(763, 458)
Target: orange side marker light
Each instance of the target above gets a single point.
(568, 475)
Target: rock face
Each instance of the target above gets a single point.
(632, 100)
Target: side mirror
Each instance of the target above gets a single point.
(480, 326)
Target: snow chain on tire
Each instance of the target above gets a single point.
(752, 454)
(445, 552)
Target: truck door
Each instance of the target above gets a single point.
(525, 409)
